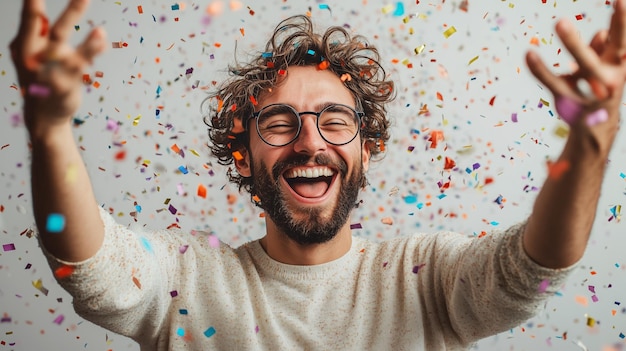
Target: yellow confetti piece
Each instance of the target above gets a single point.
(418, 50)
(71, 174)
(545, 102)
(387, 9)
(194, 152)
(561, 131)
(591, 322)
(448, 32)
(472, 60)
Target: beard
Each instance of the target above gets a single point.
(314, 228)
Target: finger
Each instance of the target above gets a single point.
(617, 29)
(33, 22)
(599, 41)
(67, 20)
(557, 85)
(585, 56)
(94, 44)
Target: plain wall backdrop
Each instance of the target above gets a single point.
(459, 70)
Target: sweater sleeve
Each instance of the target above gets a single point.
(490, 284)
(125, 287)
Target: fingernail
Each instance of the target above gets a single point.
(568, 108)
(597, 117)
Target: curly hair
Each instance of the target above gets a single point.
(294, 43)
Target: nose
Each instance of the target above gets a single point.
(309, 141)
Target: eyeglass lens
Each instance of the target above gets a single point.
(279, 125)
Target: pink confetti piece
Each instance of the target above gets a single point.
(38, 90)
(183, 248)
(417, 268)
(214, 242)
(59, 319)
(543, 286)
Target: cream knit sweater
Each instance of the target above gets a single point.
(171, 290)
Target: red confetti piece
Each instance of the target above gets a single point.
(557, 169)
(253, 100)
(63, 271)
(449, 163)
(45, 26)
(493, 99)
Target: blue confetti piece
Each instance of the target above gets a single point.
(209, 332)
(175, 7)
(311, 52)
(267, 54)
(410, 199)
(146, 244)
(621, 335)
(399, 9)
(324, 7)
(55, 223)
(183, 170)
(138, 208)
(441, 196)
(180, 332)
(159, 90)
(183, 311)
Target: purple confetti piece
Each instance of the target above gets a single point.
(417, 268)
(594, 298)
(356, 226)
(173, 293)
(8, 247)
(172, 209)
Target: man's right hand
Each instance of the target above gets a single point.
(50, 71)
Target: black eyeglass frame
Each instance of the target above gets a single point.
(358, 114)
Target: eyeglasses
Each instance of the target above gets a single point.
(280, 124)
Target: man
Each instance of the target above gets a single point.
(300, 124)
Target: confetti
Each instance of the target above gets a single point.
(209, 332)
(63, 272)
(8, 247)
(55, 223)
(448, 32)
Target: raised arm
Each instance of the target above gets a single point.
(50, 76)
(558, 230)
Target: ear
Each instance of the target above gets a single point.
(243, 163)
(366, 154)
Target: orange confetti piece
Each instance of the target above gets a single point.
(346, 77)
(435, 137)
(557, 169)
(63, 271)
(253, 100)
(323, 65)
(231, 199)
(439, 96)
(175, 148)
(256, 198)
(242, 31)
(137, 282)
(237, 155)
(534, 41)
(201, 191)
(140, 9)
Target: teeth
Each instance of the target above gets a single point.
(309, 173)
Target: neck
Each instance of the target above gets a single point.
(281, 248)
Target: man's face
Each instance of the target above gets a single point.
(309, 187)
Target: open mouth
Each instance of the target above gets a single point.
(310, 182)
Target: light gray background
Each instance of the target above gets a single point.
(482, 60)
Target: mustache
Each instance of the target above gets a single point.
(301, 160)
